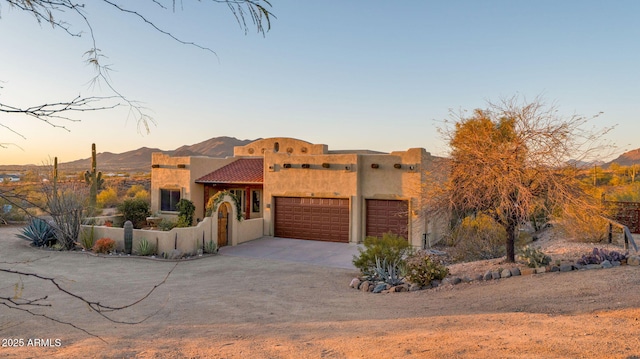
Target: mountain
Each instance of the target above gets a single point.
(626, 159)
(140, 160)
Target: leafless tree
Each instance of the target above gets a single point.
(514, 158)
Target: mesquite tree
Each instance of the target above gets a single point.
(512, 159)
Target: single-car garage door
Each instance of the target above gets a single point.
(322, 219)
(385, 216)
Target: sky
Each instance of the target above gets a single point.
(379, 75)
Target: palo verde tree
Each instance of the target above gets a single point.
(512, 159)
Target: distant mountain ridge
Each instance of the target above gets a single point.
(140, 160)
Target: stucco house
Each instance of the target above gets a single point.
(295, 189)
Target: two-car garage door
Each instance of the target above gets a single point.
(327, 219)
(321, 219)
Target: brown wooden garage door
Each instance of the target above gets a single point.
(322, 219)
(385, 216)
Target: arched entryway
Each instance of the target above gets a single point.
(223, 224)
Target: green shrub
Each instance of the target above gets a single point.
(87, 240)
(145, 248)
(211, 247)
(136, 211)
(534, 257)
(104, 245)
(166, 224)
(476, 238)
(38, 232)
(422, 268)
(186, 209)
(390, 248)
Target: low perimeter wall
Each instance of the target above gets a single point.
(188, 240)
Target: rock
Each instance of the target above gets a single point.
(380, 287)
(435, 283)
(577, 266)
(555, 269)
(414, 287)
(355, 283)
(402, 288)
(527, 271)
(606, 264)
(515, 271)
(456, 280)
(487, 275)
(615, 263)
(495, 275)
(478, 277)
(593, 266)
(175, 254)
(466, 279)
(633, 261)
(566, 268)
(541, 270)
(364, 286)
(506, 273)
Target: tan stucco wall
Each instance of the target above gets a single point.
(284, 145)
(166, 174)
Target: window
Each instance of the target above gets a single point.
(255, 201)
(169, 199)
(239, 193)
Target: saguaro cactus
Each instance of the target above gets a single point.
(128, 236)
(93, 178)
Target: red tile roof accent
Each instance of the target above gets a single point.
(243, 170)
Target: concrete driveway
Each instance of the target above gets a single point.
(326, 254)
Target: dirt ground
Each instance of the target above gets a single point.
(232, 307)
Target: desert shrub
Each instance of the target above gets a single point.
(107, 198)
(390, 248)
(104, 245)
(534, 257)
(210, 247)
(598, 256)
(186, 209)
(136, 191)
(422, 268)
(583, 226)
(145, 248)
(166, 224)
(87, 240)
(476, 238)
(136, 211)
(66, 206)
(38, 232)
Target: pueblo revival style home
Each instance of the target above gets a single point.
(292, 188)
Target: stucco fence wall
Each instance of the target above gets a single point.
(188, 240)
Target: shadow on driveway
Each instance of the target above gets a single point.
(326, 254)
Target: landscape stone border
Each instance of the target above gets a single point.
(494, 274)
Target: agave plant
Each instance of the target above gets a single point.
(389, 272)
(38, 232)
(145, 248)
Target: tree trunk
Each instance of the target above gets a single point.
(511, 240)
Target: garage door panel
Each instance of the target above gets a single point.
(324, 219)
(383, 216)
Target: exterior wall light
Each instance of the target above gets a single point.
(286, 165)
(375, 165)
(397, 165)
(326, 165)
(155, 166)
(181, 165)
(306, 165)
